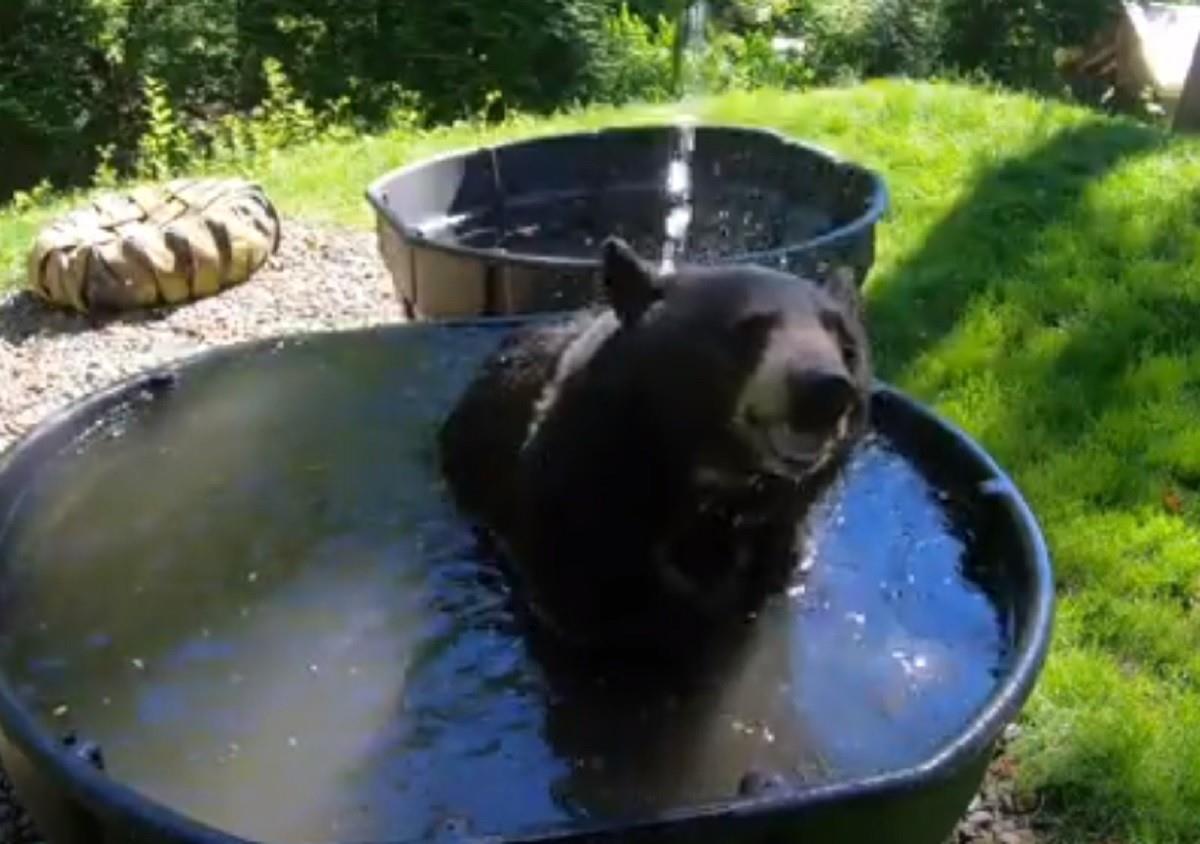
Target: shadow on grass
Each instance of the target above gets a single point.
(1059, 327)
(1026, 299)
(983, 242)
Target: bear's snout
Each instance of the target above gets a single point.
(818, 400)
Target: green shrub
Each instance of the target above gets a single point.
(863, 38)
(164, 146)
(24, 201)
(52, 108)
(540, 53)
(1008, 41)
(732, 62)
(167, 147)
(758, 65)
(72, 72)
(635, 59)
(1013, 41)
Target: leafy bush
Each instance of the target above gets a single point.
(757, 64)
(538, 52)
(52, 108)
(635, 59)
(1013, 41)
(164, 145)
(246, 141)
(40, 194)
(733, 61)
(73, 72)
(1008, 41)
(637, 62)
(861, 38)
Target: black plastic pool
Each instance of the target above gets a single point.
(242, 582)
(515, 228)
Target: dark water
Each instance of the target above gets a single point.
(691, 193)
(254, 595)
(732, 222)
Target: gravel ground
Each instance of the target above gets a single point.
(999, 813)
(322, 278)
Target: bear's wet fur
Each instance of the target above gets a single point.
(645, 467)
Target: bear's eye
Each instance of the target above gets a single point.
(752, 330)
(836, 325)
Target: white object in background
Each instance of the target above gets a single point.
(787, 46)
(1164, 40)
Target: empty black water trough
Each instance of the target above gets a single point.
(515, 228)
(235, 605)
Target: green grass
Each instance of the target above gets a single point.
(1038, 282)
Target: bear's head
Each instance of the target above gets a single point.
(755, 375)
(672, 457)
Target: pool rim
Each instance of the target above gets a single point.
(103, 796)
(376, 191)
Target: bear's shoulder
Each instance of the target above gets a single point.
(480, 440)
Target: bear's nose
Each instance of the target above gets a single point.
(817, 400)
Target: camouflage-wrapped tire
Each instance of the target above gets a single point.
(160, 245)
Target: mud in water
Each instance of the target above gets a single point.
(252, 592)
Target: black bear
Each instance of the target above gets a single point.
(645, 466)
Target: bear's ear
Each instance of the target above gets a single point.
(632, 284)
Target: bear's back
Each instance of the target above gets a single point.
(481, 439)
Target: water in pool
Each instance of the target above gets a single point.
(252, 592)
(700, 198)
(720, 221)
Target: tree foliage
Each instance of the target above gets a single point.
(1013, 41)
(53, 107)
(136, 85)
(73, 72)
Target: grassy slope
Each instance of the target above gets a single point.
(1039, 282)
